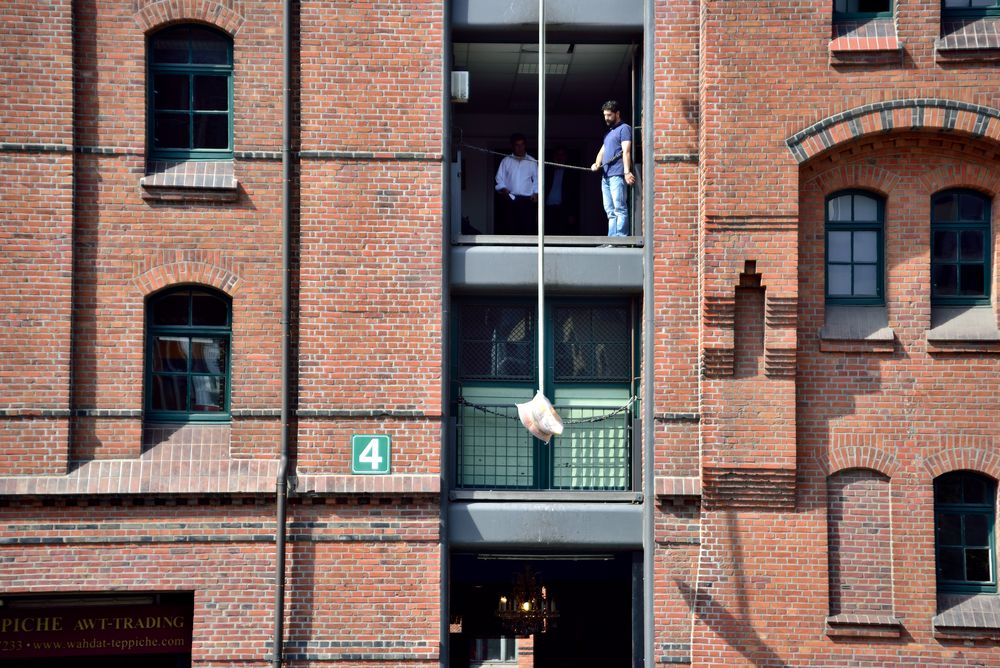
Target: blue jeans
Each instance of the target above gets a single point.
(615, 194)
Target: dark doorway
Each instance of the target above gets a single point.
(593, 594)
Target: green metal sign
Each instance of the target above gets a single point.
(370, 454)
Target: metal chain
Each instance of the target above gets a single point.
(596, 418)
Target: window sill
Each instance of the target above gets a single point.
(849, 328)
(863, 626)
(190, 181)
(968, 39)
(572, 496)
(963, 329)
(967, 617)
(865, 42)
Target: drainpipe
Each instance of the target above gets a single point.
(648, 348)
(446, 431)
(281, 483)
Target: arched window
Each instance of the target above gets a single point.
(964, 520)
(960, 248)
(190, 93)
(188, 334)
(854, 248)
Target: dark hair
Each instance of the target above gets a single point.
(612, 106)
(516, 137)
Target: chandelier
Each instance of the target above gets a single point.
(528, 609)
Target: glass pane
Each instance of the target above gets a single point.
(209, 355)
(977, 530)
(972, 207)
(208, 394)
(865, 208)
(949, 529)
(973, 279)
(944, 279)
(211, 93)
(508, 649)
(169, 393)
(865, 281)
(945, 208)
(839, 208)
(209, 310)
(977, 565)
(209, 47)
(172, 131)
(493, 649)
(840, 280)
(171, 310)
(972, 245)
(945, 245)
(211, 131)
(838, 247)
(983, 3)
(865, 246)
(171, 46)
(975, 490)
(948, 490)
(170, 353)
(610, 324)
(170, 92)
(874, 5)
(950, 563)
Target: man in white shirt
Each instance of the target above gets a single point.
(517, 185)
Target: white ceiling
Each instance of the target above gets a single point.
(502, 77)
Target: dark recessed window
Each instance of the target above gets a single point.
(190, 93)
(188, 334)
(861, 9)
(960, 248)
(854, 248)
(964, 519)
(971, 7)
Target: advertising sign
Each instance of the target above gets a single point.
(27, 633)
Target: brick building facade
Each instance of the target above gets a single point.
(780, 390)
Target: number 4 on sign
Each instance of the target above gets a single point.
(370, 454)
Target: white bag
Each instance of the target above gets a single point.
(540, 418)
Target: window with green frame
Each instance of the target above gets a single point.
(970, 7)
(590, 376)
(850, 10)
(190, 98)
(964, 523)
(855, 239)
(188, 335)
(960, 248)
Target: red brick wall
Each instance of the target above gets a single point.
(764, 576)
(35, 236)
(859, 521)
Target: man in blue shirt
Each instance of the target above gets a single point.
(615, 158)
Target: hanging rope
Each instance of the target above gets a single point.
(595, 418)
(547, 162)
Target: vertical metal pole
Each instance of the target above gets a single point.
(541, 196)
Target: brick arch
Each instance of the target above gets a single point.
(855, 176)
(866, 457)
(979, 458)
(963, 175)
(911, 114)
(187, 271)
(153, 14)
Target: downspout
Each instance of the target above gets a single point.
(648, 336)
(281, 483)
(446, 431)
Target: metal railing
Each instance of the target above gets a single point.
(494, 450)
